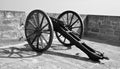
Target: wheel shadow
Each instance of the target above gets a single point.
(15, 52)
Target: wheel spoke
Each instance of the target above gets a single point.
(41, 22)
(46, 31)
(44, 26)
(42, 43)
(38, 19)
(44, 38)
(76, 27)
(30, 35)
(31, 23)
(71, 19)
(34, 39)
(74, 22)
(34, 17)
(67, 19)
(75, 33)
(37, 42)
(63, 20)
(64, 40)
(60, 35)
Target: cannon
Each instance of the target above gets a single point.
(68, 27)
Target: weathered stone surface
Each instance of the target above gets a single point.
(10, 24)
(103, 25)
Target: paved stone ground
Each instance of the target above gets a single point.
(21, 56)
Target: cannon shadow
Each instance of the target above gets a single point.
(60, 54)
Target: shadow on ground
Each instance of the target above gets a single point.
(60, 54)
(70, 56)
(27, 52)
(15, 52)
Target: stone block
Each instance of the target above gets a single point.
(95, 30)
(117, 33)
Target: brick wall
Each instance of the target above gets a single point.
(103, 27)
(11, 24)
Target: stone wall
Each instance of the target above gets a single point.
(11, 24)
(98, 26)
(103, 27)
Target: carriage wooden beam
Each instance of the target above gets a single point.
(68, 27)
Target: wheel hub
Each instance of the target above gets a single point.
(38, 31)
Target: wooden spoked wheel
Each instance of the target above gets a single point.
(39, 30)
(73, 22)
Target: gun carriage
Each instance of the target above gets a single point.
(68, 27)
